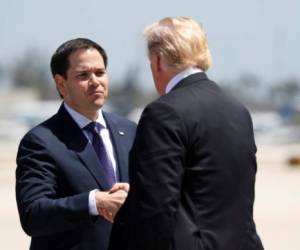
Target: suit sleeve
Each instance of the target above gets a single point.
(41, 211)
(156, 169)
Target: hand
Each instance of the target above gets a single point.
(107, 215)
(108, 204)
(120, 186)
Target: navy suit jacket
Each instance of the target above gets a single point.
(56, 169)
(192, 173)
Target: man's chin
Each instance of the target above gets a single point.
(98, 103)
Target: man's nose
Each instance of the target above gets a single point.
(94, 81)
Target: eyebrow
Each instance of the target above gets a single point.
(79, 69)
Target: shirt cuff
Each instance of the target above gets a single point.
(92, 203)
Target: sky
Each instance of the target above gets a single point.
(259, 37)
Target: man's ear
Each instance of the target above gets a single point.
(60, 84)
(158, 62)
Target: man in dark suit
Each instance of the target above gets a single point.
(71, 175)
(192, 166)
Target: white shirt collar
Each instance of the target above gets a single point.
(177, 78)
(81, 120)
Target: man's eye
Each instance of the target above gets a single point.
(99, 73)
(82, 75)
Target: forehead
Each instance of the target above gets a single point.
(86, 58)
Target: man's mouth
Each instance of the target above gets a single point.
(98, 92)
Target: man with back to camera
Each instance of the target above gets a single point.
(192, 166)
(71, 175)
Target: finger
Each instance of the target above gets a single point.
(107, 215)
(114, 189)
(120, 186)
(125, 187)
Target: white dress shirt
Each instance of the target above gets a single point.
(82, 121)
(177, 78)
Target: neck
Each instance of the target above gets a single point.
(166, 79)
(90, 114)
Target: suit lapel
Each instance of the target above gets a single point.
(91, 162)
(77, 142)
(117, 136)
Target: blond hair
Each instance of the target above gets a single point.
(181, 41)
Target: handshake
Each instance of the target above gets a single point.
(108, 203)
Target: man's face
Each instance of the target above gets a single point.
(86, 87)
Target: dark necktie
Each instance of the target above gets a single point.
(94, 128)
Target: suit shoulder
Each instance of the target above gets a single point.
(42, 129)
(160, 111)
(162, 103)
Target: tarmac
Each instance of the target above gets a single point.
(276, 208)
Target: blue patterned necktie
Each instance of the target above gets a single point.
(94, 128)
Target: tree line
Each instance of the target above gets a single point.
(32, 72)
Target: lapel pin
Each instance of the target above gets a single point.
(121, 133)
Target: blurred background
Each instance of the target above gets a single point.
(255, 50)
